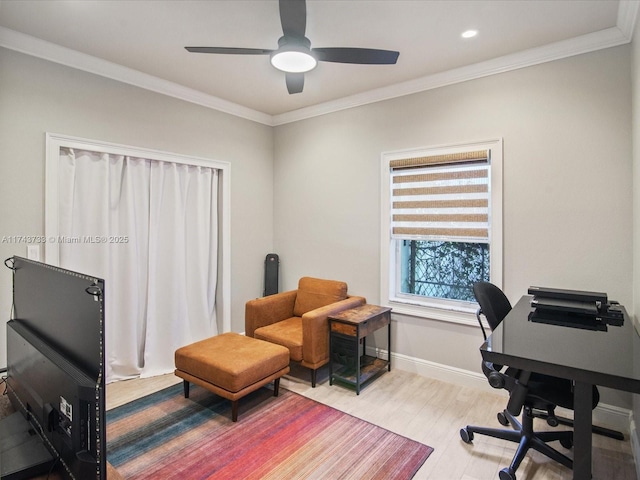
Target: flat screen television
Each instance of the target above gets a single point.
(55, 371)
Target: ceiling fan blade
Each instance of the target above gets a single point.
(295, 82)
(230, 50)
(293, 16)
(366, 56)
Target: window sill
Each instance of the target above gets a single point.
(459, 314)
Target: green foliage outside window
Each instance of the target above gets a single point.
(443, 269)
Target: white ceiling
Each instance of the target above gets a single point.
(148, 38)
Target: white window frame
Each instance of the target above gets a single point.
(434, 308)
(54, 142)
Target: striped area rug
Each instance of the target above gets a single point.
(165, 436)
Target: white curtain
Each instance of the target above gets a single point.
(150, 229)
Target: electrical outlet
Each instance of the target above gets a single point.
(33, 252)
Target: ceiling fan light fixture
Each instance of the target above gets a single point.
(293, 59)
(294, 54)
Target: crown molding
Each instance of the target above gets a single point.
(621, 34)
(610, 37)
(33, 46)
(627, 17)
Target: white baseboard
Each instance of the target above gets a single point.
(605, 415)
(438, 371)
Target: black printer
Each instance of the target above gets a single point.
(574, 308)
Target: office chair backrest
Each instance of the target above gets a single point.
(493, 302)
(494, 305)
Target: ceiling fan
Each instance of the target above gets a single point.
(294, 54)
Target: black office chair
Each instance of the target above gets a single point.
(530, 392)
(496, 306)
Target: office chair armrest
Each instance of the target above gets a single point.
(513, 380)
(518, 392)
(496, 378)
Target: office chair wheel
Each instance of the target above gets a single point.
(507, 474)
(552, 421)
(566, 443)
(502, 418)
(466, 435)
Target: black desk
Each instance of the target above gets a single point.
(587, 357)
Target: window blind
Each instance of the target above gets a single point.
(441, 197)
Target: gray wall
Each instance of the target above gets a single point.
(37, 96)
(310, 190)
(636, 218)
(566, 127)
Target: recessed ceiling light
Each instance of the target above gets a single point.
(469, 33)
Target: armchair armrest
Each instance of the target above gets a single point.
(315, 331)
(268, 310)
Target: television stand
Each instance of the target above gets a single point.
(22, 451)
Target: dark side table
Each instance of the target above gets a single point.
(347, 364)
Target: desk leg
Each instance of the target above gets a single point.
(582, 399)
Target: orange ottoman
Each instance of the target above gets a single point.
(232, 365)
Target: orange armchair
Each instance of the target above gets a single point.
(297, 319)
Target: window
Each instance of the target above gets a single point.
(441, 228)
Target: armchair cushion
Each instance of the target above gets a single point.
(315, 293)
(287, 333)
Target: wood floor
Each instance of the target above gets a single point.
(431, 412)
